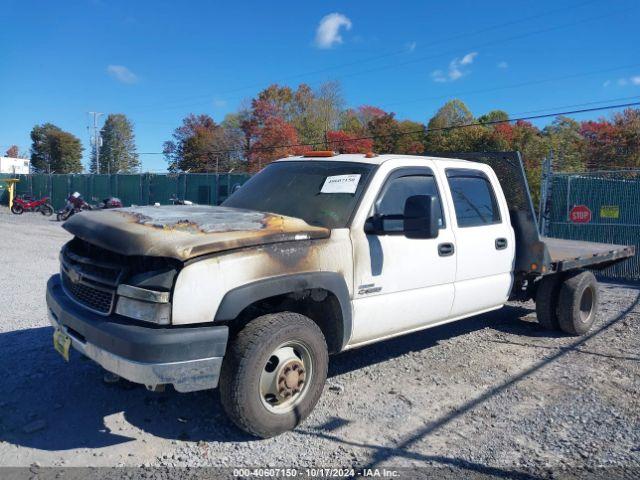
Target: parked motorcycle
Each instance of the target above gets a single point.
(27, 203)
(176, 201)
(75, 204)
(110, 202)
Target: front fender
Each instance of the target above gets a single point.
(236, 300)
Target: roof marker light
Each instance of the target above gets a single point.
(320, 153)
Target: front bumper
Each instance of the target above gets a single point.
(188, 358)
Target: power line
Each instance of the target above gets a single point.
(576, 105)
(421, 131)
(516, 85)
(398, 52)
(501, 40)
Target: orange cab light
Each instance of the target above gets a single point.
(370, 155)
(534, 266)
(320, 153)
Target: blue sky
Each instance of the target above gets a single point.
(158, 61)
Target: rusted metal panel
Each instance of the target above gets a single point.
(185, 232)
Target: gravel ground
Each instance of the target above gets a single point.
(495, 394)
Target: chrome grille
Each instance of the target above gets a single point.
(89, 282)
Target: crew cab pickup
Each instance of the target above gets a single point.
(314, 255)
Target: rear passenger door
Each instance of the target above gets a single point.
(484, 240)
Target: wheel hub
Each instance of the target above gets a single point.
(285, 377)
(290, 379)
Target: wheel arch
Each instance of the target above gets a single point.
(321, 296)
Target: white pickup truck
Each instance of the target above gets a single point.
(314, 255)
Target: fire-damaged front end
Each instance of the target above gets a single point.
(116, 310)
(125, 270)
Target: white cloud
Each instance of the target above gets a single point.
(219, 103)
(411, 46)
(468, 58)
(122, 74)
(503, 65)
(623, 82)
(328, 31)
(438, 76)
(456, 69)
(606, 83)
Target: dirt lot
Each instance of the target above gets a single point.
(495, 394)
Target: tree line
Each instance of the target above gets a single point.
(54, 150)
(283, 121)
(303, 118)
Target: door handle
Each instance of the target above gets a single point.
(445, 249)
(501, 243)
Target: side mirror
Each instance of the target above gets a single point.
(421, 217)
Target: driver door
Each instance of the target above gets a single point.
(402, 284)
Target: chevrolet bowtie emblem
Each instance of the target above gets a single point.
(74, 277)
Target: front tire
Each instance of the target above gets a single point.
(46, 210)
(578, 303)
(273, 373)
(16, 209)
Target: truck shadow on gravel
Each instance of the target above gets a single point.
(51, 405)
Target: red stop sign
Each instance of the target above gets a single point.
(580, 214)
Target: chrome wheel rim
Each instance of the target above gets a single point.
(285, 377)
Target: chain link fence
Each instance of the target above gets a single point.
(135, 189)
(597, 206)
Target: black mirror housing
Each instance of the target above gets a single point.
(421, 217)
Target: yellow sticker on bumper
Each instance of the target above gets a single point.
(62, 342)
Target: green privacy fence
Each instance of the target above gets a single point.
(598, 207)
(135, 189)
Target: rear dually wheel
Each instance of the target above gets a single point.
(578, 302)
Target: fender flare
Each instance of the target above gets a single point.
(241, 297)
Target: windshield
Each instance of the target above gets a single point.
(322, 193)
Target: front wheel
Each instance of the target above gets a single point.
(273, 373)
(17, 209)
(46, 210)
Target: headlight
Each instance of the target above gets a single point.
(142, 304)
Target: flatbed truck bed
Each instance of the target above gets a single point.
(571, 254)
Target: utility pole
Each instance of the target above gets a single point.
(96, 139)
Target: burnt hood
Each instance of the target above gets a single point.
(186, 231)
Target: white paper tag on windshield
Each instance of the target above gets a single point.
(341, 184)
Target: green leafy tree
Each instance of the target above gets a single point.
(54, 150)
(568, 144)
(411, 143)
(198, 145)
(494, 116)
(118, 151)
(440, 136)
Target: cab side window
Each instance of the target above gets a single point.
(397, 191)
(473, 199)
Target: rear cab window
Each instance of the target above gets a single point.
(474, 199)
